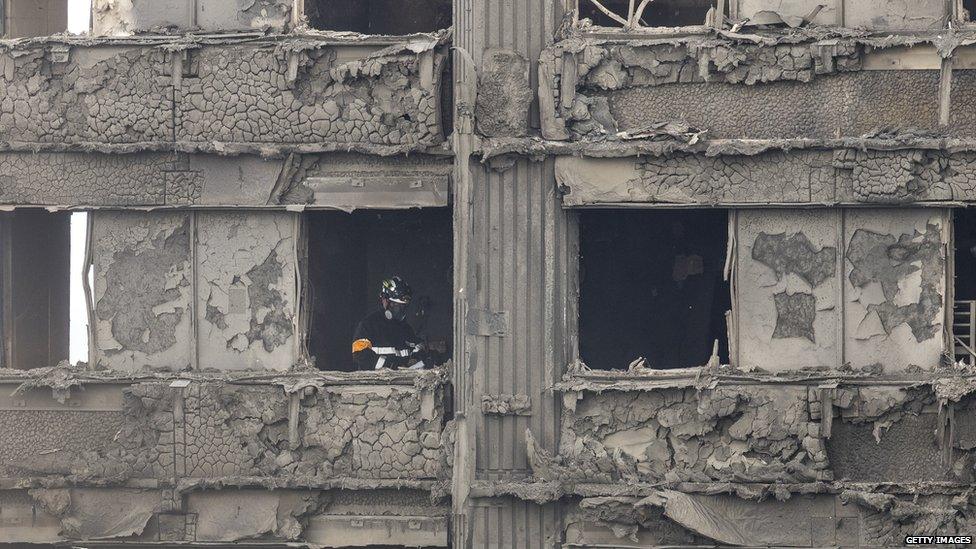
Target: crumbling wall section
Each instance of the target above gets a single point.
(748, 459)
(829, 174)
(734, 434)
(241, 94)
(308, 91)
(322, 518)
(307, 430)
(770, 85)
(56, 94)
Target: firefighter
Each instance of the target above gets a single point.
(384, 339)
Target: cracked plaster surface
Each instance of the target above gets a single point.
(108, 94)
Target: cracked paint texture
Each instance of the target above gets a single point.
(247, 290)
(142, 290)
(232, 431)
(373, 95)
(109, 95)
(895, 270)
(242, 94)
(844, 175)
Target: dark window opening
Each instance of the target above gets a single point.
(651, 286)
(659, 13)
(447, 97)
(964, 289)
(30, 18)
(968, 10)
(36, 294)
(349, 255)
(379, 16)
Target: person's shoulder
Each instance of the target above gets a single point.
(373, 316)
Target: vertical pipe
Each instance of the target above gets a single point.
(194, 297)
(945, 90)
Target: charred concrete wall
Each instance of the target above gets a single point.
(130, 459)
(309, 90)
(813, 86)
(848, 463)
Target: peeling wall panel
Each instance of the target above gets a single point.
(896, 14)
(247, 296)
(208, 431)
(787, 289)
(25, 521)
(142, 290)
(831, 14)
(894, 287)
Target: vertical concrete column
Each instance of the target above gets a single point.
(510, 242)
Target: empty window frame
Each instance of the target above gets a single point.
(965, 10)
(964, 287)
(389, 17)
(36, 276)
(350, 254)
(651, 286)
(658, 13)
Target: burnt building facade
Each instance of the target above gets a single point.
(705, 272)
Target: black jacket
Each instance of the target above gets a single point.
(380, 331)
